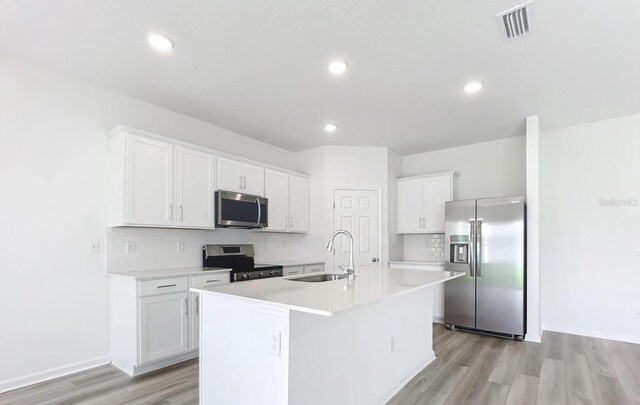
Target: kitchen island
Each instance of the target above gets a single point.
(282, 341)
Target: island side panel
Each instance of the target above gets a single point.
(237, 365)
(346, 359)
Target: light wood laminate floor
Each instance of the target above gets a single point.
(469, 369)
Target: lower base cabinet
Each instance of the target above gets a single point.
(306, 269)
(155, 323)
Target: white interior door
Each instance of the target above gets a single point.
(357, 212)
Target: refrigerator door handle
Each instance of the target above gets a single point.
(479, 248)
(472, 247)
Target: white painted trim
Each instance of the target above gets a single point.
(395, 388)
(620, 337)
(56, 372)
(424, 176)
(530, 337)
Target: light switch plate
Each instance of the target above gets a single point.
(130, 248)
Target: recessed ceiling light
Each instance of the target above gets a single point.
(330, 127)
(472, 87)
(338, 67)
(161, 42)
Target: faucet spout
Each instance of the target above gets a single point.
(349, 271)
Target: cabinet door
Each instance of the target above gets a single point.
(293, 271)
(436, 191)
(229, 175)
(149, 182)
(299, 204)
(194, 185)
(164, 326)
(253, 180)
(313, 268)
(410, 206)
(194, 333)
(276, 189)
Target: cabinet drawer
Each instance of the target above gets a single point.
(314, 268)
(209, 280)
(162, 286)
(293, 271)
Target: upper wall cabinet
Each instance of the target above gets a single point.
(421, 202)
(288, 197)
(240, 177)
(157, 184)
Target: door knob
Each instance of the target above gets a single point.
(375, 259)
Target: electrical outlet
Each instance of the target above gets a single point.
(130, 248)
(274, 342)
(94, 247)
(637, 313)
(392, 345)
(637, 247)
(180, 246)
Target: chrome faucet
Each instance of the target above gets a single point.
(349, 270)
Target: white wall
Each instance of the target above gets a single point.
(55, 189)
(589, 258)
(487, 169)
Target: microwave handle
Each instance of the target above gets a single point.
(259, 211)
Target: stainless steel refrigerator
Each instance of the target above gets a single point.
(485, 238)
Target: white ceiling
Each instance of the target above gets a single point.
(258, 67)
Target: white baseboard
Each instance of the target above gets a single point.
(386, 396)
(530, 337)
(56, 372)
(621, 337)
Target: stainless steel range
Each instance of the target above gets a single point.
(238, 258)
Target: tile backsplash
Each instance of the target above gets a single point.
(158, 248)
(423, 247)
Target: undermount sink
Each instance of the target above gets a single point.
(320, 278)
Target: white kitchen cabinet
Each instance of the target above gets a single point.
(194, 188)
(276, 189)
(155, 322)
(240, 177)
(293, 271)
(313, 268)
(438, 290)
(421, 201)
(289, 201)
(164, 326)
(299, 202)
(142, 182)
(158, 184)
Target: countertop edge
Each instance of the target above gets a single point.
(140, 274)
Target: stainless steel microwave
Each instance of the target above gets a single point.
(237, 210)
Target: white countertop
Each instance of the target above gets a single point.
(418, 262)
(291, 263)
(329, 297)
(175, 272)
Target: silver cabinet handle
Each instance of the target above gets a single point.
(171, 211)
(212, 281)
(419, 223)
(286, 221)
(198, 304)
(259, 211)
(471, 246)
(294, 272)
(240, 182)
(181, 212)
(479, 248)
(424, 223)
(166, 286)
(244, 182)
(186, 307)
(291, 222)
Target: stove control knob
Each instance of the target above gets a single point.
(260, 274)
(272, 272)
(246, 276)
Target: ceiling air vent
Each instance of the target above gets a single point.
(515, 22)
